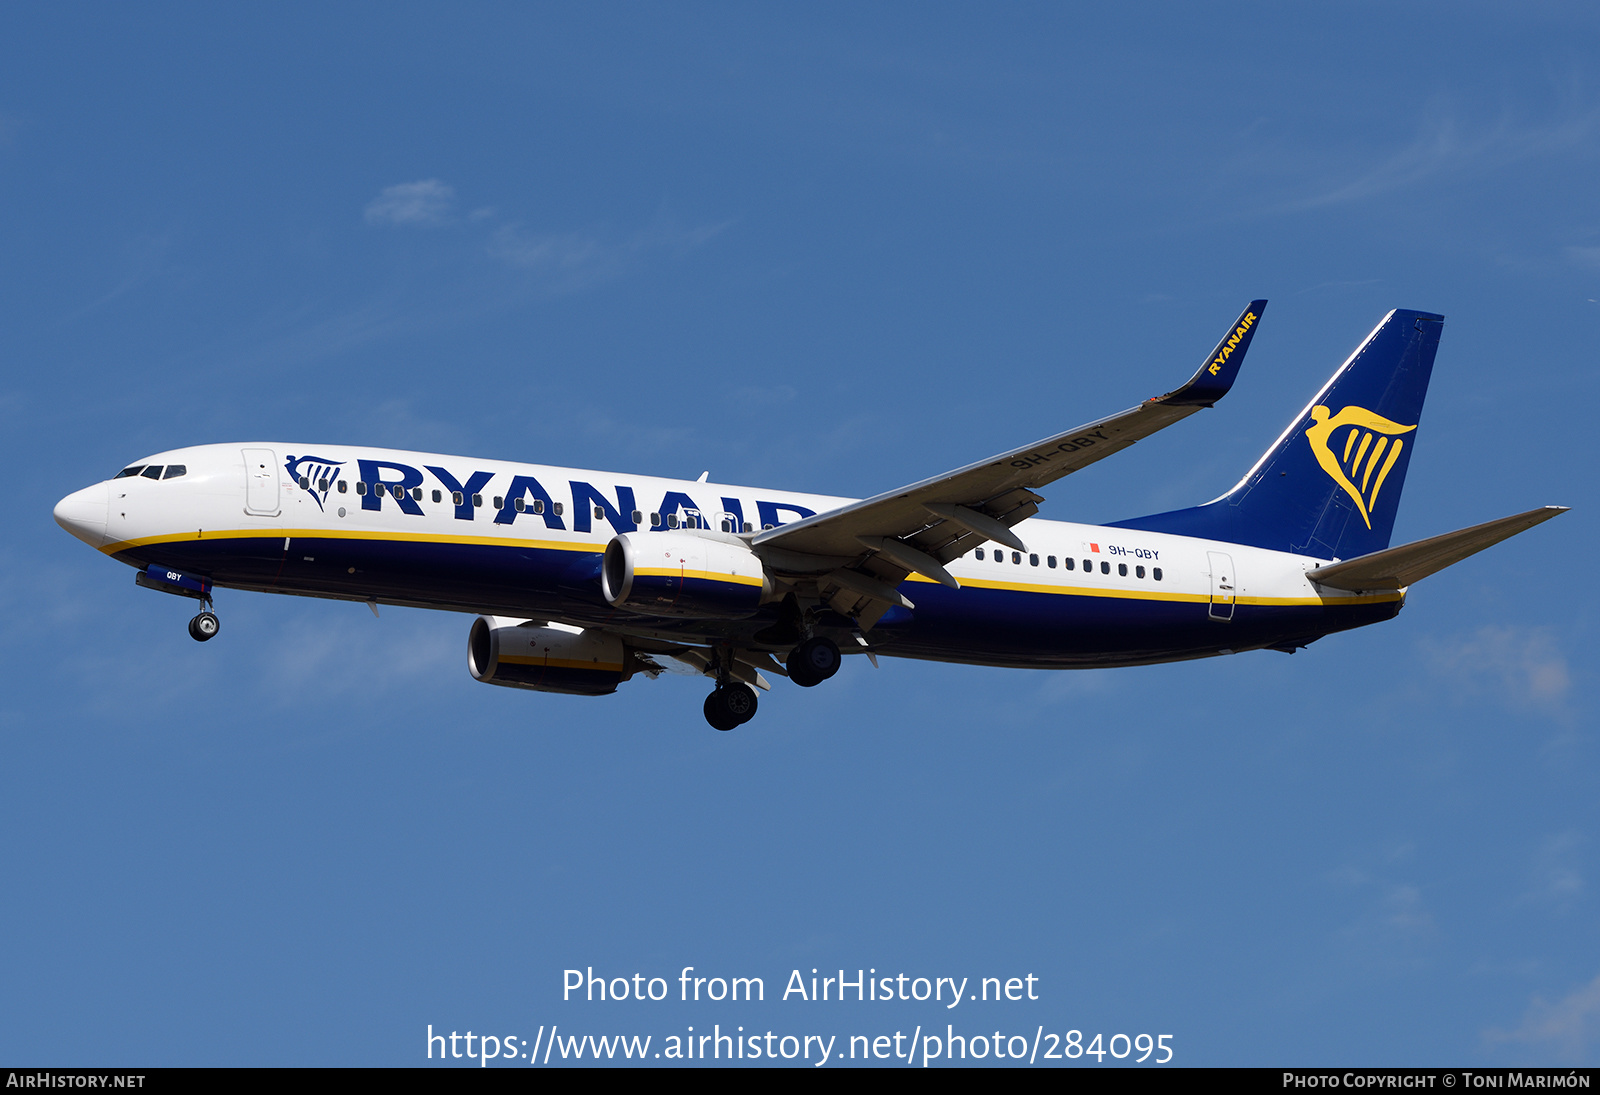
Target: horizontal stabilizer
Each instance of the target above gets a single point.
(1398, 567)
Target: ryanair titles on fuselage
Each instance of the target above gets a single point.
(377, 482)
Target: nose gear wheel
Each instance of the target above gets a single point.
(204, 627)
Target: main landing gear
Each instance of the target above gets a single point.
(731, 705)
(813, 662)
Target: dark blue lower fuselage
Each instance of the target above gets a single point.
(976, 625)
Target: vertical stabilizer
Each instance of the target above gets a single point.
(1330, 485)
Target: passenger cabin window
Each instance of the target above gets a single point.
(437, 497)
(1156, 574)
(1138, 572)
(500, 503)
(399, 492)
(322, 484)
(1088, 566)
(456, 498)
(1051, 562)
(126, 472)
(343, 486)
(672, 520)
(305, 482)
(361, 488)
(538, 506)
(477, 501)
(416, 494)
(1033, 560)
(1105, 568)
(748, 527)
(638, 517)
(1069, 562)
(1016, 557)
(599, 513)
(152, 472)
(558, 507)
(1122, 570)
(979, 554)
(519, 505)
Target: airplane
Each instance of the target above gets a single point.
(581, 580)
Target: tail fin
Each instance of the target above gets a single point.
(1330, 484)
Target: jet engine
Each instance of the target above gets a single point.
(692, 574)
(521, 654)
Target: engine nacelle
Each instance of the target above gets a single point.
(683, 574)
(546, 659)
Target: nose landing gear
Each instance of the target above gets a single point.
(204, 626)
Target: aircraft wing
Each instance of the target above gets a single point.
(867, 548)
(1398, 567)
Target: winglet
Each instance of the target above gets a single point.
(1216, 376)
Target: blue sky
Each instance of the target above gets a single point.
(835, 249)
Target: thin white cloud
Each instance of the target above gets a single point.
(574, 260)
(763, 396)
(1442, 146)
(343, 650)
(1396, 909)
(142, 261)
(1568, 1026)
(424, 202)
(1523, 666)
(1557, 881)
(1585, 256)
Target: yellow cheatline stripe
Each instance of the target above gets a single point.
(1159, 595)
(563, 663)
(706, 575)
(596, 548)
(593, 548)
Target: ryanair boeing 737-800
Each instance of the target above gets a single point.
(582, 580)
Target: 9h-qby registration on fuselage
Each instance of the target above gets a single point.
(583, 579)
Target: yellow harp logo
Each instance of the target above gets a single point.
(1358, 465)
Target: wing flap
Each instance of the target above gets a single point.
(1398, 567)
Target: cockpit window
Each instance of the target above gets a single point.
(126, 472)
(152, 472)
(175, 470)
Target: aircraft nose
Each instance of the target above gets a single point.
(83, 513)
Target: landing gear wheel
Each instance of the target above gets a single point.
(730, 706)
(813, 662)
(204, 626)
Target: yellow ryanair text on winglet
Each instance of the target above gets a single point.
(1359, 457)
(1233, 341)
